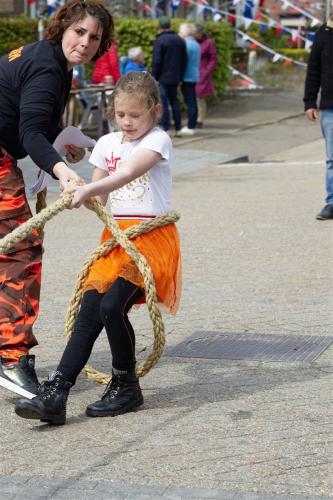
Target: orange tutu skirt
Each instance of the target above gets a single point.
(161, 248)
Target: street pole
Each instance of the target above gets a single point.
(328, 8)
(41, 14)
(238, 21)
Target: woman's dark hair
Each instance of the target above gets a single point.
(138, 84)
(73, 12)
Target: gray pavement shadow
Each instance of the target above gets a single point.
(70, 420)
(210, 387)
(244, 379)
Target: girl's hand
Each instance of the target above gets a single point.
(74, 153)
(81, 194)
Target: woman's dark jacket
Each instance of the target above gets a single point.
(34, 87)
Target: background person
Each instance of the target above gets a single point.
(35, 82)
(190, 77)
(169, 60)
(319, 78)
(208, 61)
(135, 60)
(136, 159)
(107, 67)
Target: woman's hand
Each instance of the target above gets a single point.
(65, 175)
(74, 153)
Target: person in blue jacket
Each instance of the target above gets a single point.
(190, 77)
(135, 60)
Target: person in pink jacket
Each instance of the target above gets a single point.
(107, 66)
(208, 61)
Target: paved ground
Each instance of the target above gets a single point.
(255, 260)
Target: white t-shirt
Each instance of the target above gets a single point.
(148, 195)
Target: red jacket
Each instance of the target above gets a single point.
(108, 64)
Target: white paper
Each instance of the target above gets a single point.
(7, 384)
(69, 135)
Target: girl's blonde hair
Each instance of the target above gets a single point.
(138, 84)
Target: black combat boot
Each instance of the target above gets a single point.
(50, 405)
(121, 395)
(19, 376)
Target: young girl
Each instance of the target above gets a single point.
(133, 170)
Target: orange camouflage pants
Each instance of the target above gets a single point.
(20, 268)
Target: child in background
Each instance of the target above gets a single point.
(135, 60)
(132, 169)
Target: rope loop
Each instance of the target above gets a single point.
(121, 238)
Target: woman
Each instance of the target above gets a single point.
(35, 82)
(208, 61)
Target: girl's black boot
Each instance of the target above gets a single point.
(50, 404)
(122, 394)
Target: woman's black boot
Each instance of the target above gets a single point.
(50, 404)
(122, 394)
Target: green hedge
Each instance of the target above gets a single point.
(139, 32)
(15, 32)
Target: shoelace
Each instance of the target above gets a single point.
(112, 388)
(47, 388)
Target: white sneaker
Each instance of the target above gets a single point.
(187, 131)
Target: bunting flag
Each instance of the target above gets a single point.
(247, 22)
(270, 23)
(248, 9)
(248, 81)
(175, 4)
(275, 55)
(146, 8)
(280, 30)
(286, 4)
(53, 5)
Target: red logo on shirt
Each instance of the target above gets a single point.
(112, 162)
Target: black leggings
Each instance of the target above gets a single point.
(98, 310)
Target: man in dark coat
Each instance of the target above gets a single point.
(169, 60)
(319, 77)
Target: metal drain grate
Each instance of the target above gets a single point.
(256, 347)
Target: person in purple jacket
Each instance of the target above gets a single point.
(208, 61)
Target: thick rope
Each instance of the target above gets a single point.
(121, 238)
